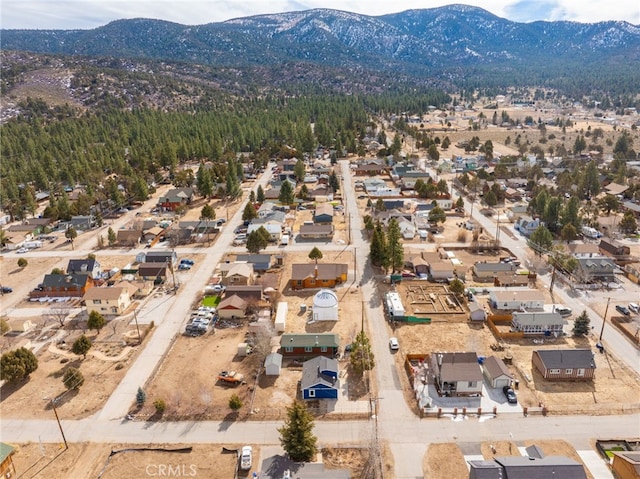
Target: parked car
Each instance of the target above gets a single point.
(6, 290)
(510, 395)
(22, 250)
(562, 310)
(394, 345)
(246, 458)
(184, 267)
(634, 307)
(187, 261)
(623, 310)
(362, 197)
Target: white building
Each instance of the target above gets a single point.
(395, 308)
(325, 306)
(512, 299)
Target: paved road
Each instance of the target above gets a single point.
(170, 324)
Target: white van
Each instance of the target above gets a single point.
(634, 307)
(284, 240)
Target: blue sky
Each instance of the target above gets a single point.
(84, 14)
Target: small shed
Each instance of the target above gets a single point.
(325, 305)
(496, 372)
(281, 316)
(243, 350)
(477, 312)
(273, 364)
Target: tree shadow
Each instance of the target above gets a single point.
(9, 388)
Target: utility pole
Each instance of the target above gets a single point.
(135, 316)
(604, 319)
(55, 411)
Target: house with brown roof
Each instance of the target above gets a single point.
(239, 274)
(583, 250)
(457, 374)
(614, 248)
(128, 237)
(250, 293)
(232, 307)
(156, 272)
(496, 372)
(316, 231)
(175, 198)
(321, 275)
(626, 464)
(109, 301)
(565, 364)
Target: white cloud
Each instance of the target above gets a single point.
(69, 14)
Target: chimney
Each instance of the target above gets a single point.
(315, 272)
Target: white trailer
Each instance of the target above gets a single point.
(395, 308)
(32, 244)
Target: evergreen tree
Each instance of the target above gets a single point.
(378, 246)
(257, 240)
(628, 223)
(71, 234)
(17, 365)
(286, 193)
(541, 239)
(81, 346)
(204, 181)
(249, 212)
(299, 170)
(252, 197)
(456, 287)
(207, 213)
(235, 403)
(260, 195)
(581, 325)
(394, 246)
(437, 215)
(315, 254)
(334, 183)
(72, 378)
(361, 357)
(96, 321)
(296, 436)
(140, 189)
(111, 236)
(490, 198)
(568, 233)
(141, 397)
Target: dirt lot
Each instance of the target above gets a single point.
(446, 460)
(204, 397)
(614, 389)
(120, 461)
(104, 367)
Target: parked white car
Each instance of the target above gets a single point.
(246, 458)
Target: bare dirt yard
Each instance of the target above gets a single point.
(203, 396)
(446, 460)
(615, 388)
(120, 461)
(104, 367)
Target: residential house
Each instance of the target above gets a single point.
(420, 266)
(385, 216)
(288, 164)
(89, 266)
(578, 249)
(232, 307)
(441, 271)
(511, 280)
(250, 293)
(239, 274)
(614, 249)
(537, 323)
(175, 198)
(266, 208)
(320, 378)
(506, 467)
(407, 229)
(516, 211)
(138, 288)
(372, 185)
(260, 262)
(321, 275)
(369, 168)
(626, 464)
(317, 231)
(7, 468)
(322, 192)
(166, 256)
(152, 234)
(633, 207)
(64, 286)
(565, 364)
(156, 272)
(129, 237)
(393, 205)
(82, 223)
(323, 214)
(590, 270)
(509, 299)
(615, 189)
(527, 225)
(457, 374)
(496, 372)
(309, 345)
(486, 272)
(272, 223)
(512, 194)
(108, 301)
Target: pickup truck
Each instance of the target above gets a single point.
(231, 377)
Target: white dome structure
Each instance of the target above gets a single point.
(325, 306)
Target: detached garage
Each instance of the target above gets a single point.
(496, 372)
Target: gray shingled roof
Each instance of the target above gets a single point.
(566, 358)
